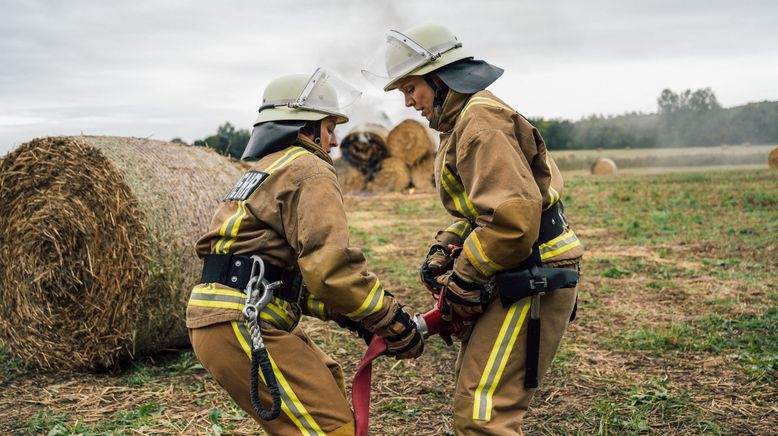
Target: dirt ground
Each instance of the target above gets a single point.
(677, 328)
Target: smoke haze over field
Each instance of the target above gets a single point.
(180, 69)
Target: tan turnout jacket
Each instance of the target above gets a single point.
(294, 218)
(494, 174)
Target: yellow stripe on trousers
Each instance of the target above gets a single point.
(290, 404)
(482, 403)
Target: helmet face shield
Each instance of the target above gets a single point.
(400, 56)
(323, 94)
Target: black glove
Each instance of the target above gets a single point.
(464, 298)
(403, 340)
(357, 327)
(437, 262)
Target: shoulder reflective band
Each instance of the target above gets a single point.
(475, 101)
(229, 229)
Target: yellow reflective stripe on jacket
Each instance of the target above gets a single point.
(478, 258)
(498, 358)
(290, 403)
(372, 304)
(460, 228)
(277, 316)
(284, 160)
(456, 191)
(553, 197)
(564, 242)
(316, 307)
(217, 298)
(229, 229)
(475, 101)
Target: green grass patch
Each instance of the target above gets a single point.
(645, 408)
(751, 340)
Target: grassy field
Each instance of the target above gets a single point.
(677, 329)
(663, 158)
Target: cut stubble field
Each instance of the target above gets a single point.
(677, 328)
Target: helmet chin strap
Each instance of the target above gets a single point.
(439, 92)
(317, 132)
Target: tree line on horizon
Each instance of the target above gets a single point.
(684, 119)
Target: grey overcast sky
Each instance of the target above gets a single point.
(165, 69)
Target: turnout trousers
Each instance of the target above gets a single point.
(311, 383)
(490, 395)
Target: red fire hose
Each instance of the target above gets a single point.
(429, 324)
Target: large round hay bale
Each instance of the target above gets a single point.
(393, 176)
(422, 176)
(97, 242)
(349, 178)
(772, 158)
(364, 147)
(410, 141)
(604, 166)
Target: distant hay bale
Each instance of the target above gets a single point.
(772, 158)
(364, 147)
(604, 166)
(422, 176)
(349, 178)
(410, 141)
(393, 176)
(97, 242)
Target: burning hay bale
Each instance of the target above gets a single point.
(772, 158)
(604, 166)
(97, 246)
(410, 141)
(349, 177)
(364, 147)
(422, 174)
(393, 176)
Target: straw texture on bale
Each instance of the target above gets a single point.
(603, 166)
(772, 158)
(349, 178)
(393, 176)
(364, 147)
(422, 174)
(410, 141)
(97, 246)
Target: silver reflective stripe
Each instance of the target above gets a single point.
(216, 297)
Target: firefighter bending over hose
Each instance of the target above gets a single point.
(281, 235)
(519, 258)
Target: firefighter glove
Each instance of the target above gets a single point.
(402, 337)
(356, 327)
(438, 261)
(461, 297)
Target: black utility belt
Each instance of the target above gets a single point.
(513, 285)
(234, 270)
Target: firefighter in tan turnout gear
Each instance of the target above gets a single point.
(282, 232)
(519, 258)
